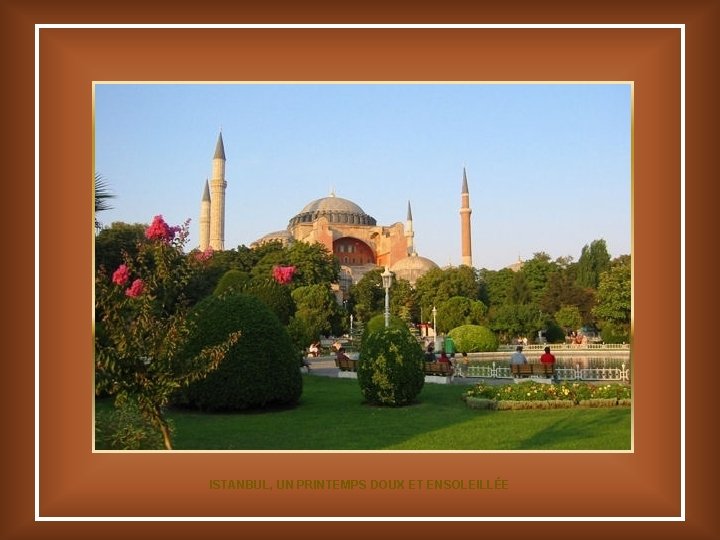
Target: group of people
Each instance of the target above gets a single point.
(519, 358)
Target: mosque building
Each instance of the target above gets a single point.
(355, 238)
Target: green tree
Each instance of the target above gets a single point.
(314, 264)
(537, 272)
(439, 285)
(474, 338)
(114, 242)
(497, 283)
(367, 295)
(613, 308)
(594, 260)
(145, 326)
(459, 311)
(317, 311)
(563, 290)
(512, 320)
(519, 292)
(569, 318)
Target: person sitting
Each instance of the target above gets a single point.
(443, 357)
(340, 356)
(314, 349)
(430, 352)
(518, 358)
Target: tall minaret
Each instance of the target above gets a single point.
(465, 223)
(409, 232)
(205, 218)
(217, 193)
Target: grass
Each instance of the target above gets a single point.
(331, 415)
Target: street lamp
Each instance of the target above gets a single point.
(387, 281)
(434, 312)
(351, 321)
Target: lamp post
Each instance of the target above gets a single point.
(387, 281)
(434, 312)
(351, 321)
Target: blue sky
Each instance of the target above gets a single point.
(548, 165)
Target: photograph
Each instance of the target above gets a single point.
(363, 266)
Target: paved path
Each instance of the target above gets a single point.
(324, 366)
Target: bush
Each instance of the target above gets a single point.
(391, 367)
(232, 280)
(472, 338)
(260, 370)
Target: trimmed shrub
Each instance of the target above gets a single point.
(473, 338)
(391, 367)
(260, 370)
(231, 280)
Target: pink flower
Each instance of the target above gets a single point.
(121, 275)
(135, 289)
(159, 230)
(204, 255)
(283, 274)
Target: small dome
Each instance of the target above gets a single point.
(411, 268)
(336, 210)
(283, 236)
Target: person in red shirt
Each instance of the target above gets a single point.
(547, 358)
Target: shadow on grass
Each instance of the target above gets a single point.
(332, 415)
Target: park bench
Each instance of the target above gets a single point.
(346, 364)
(533, 370)
(441, 369)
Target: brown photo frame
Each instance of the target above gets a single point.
(647, 486)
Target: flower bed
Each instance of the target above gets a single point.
(532, 395)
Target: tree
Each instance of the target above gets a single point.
(367, 295)
(537, 272)
(113, 243)
(497, 283)
(102, 197)
(569, 318)
(512, 320)
(594, 260)
(563, 290)
(314, 264)
(459, 311)
(316, 311)
(145, 326)
(614, 298)
(439, 285)
(519, 292)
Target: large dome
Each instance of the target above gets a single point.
(412, 267)
(336, 210)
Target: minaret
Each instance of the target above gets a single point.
(205, 218)
(217, 193)
(409, 232)
(465, 212)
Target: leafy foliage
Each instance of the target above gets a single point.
(473, 338)
(259, 370)
(532, 391)
(390, 370)
(144, 316)
(458, 311)
(594, 260)
(377, 323)
(614, 299)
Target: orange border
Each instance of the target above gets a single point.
(77, 57)
(75, 482)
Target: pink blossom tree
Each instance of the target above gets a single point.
(143, 314)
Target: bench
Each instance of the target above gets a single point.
(346, 364)
(546, 371)
(441, 369)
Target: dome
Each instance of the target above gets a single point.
(411, 268)
(336, 210)
(283, 236)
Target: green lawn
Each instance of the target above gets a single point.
(332, 416)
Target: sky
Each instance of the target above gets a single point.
(548, 165)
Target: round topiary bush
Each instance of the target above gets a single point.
(260, 370)
(390, 370)
(473, 338)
